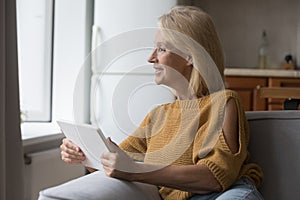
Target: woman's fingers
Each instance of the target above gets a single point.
(72, 156)
(70, 145)
(70, 153)
(71, 161)
(107, 163)
(108, 157)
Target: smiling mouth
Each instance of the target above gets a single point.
(158, 69)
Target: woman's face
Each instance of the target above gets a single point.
(170, 68)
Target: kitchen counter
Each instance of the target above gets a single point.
(262, 72)
(248, 82)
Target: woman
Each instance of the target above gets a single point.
(195, 147)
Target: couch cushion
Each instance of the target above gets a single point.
(274, 145)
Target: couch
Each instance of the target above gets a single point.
(274, 145)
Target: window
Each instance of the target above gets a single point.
(53, 44)
(35, 30)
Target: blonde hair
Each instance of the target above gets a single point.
(197, 26)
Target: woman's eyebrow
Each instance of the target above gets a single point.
(159, 43)
(165, 45)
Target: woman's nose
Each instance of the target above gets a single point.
(153, 57)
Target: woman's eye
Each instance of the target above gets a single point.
(160, 49)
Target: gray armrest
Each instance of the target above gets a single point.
(274, 145)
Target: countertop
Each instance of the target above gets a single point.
(262, 72)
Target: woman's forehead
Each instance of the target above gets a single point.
(160, 40)
(159, 37)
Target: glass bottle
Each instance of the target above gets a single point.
(263, 52)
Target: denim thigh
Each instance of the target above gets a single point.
(243, 189)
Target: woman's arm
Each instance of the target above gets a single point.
(230, 126)
(192, 178)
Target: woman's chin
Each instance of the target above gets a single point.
(158, 80)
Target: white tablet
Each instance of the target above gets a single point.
(90, 140)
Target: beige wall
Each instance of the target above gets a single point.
(240, 24)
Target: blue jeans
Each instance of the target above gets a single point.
(241, 190)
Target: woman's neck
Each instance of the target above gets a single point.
(185, 95)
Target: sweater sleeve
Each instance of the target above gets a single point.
(224, 164)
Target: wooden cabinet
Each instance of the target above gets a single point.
(248, 90)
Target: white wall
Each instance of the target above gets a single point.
(240, 24)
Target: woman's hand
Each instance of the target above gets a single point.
(70, 153)
(117, 163)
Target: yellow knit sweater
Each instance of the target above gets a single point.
(189, 132)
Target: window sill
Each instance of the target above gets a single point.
(32, 130)
(40, 136)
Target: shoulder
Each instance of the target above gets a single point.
(231, 94)
(223, 97)
(220, 98)
(227, 94)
